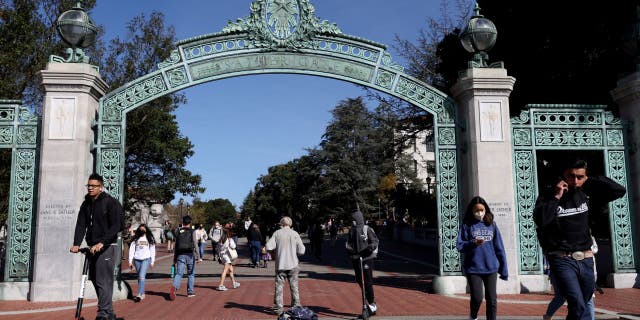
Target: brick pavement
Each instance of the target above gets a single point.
(402, 292)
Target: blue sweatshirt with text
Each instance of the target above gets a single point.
(487, 258)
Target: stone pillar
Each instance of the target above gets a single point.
(486, 154)
(72, 91)
(627, 96)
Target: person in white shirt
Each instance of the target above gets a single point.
(201, 235)
(142, 256)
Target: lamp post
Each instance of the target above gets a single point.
(181, 203)
(478, 37)
(78, 31)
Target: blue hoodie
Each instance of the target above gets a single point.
(486, 258)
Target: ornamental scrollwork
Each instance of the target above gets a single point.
(446, 136)
(111, 135)
(174, 57)
(177, 77)
(289, 24)
(615, 138)
(610, 118)
(119, 101)
(449, 216)
(385, 79)
(426, 98)
(576, 137)
(27, 134)
(387, 61)
(523, 118)
(111, 170)
(525, 200)
(522, 137)
(6, 134)
(621, 220)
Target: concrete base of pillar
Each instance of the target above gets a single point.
(121, 290)
(623, 280)
(449, 285)
(14, 291)
(534, 283)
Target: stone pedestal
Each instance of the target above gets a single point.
(487, 161)
(627, 96)
(70, 107)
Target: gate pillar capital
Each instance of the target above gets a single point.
(486, 152)
(72, 91)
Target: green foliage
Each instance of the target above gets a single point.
(156, 152)
(208, 212)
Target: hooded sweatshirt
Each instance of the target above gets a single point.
(360, 244)
(487, 258)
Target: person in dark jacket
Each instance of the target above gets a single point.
(254, 236)
(484, 256)
(362, 242)
(99, 221)
(562, 218)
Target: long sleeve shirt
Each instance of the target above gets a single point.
(99, 220)
(288, 246)
(486, 258)
(141, 250)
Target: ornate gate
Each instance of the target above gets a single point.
(19, 131)
(285, 36)
(568, 127)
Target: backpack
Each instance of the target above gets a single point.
(298, 313)
(365, 230)
(184, 242)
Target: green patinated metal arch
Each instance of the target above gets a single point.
(284, 36)
(562, 127)
(19, 131)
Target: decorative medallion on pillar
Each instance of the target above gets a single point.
(478, 37)
(78, 31)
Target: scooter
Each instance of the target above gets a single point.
(83, 282)
(365, 306)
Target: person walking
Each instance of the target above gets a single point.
(316, 235)
(287, 246)
(226, 248)
(480, 241)
(201, 235)
(215, 234)
(362, 243)
(185, 257)
(99, 220)
(562, 215)
(254, 236)
(168, 234)
(142, 256)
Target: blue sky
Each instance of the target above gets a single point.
(242, 126)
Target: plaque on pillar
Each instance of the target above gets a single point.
(491, 121)
(63, 114)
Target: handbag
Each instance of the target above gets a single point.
(233, 253)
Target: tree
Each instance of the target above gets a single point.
(206, 212)
(156, 152)
(574, 56)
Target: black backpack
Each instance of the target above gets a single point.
(184, 240)
(298, 313)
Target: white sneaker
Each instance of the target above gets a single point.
(373, 308)
(236, 285)
(221, 288)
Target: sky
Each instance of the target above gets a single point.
(242, 126)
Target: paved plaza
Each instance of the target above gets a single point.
(403, 285)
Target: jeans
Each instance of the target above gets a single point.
(281, 277)
(576, 283)
(101, 267)
(256, 247)
(201, 247)
(558, 300)
(368, 277)
(141, 266)
(185, 261)
(476, 282)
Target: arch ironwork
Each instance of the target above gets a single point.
(285, 36)
(19, 131)
(563, 127)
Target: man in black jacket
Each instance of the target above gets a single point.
(562, 217)
(362, 242)
(99, 221)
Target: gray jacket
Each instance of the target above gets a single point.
(288, 246)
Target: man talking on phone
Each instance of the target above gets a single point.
(562, 218)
